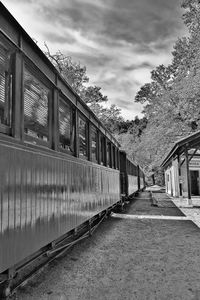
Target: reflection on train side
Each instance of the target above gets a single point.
(27, 210)
(44, 189)
(132, 184)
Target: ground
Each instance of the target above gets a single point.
(126, 259)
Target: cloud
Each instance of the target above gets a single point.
(59, 38)
(144, 64)
(125, 104)
(119, 42)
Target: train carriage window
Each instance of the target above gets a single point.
(135, 170)
(66, 126)
(117, 159)
(114, 157)
(102, 150)
(94, 144)
(83, 138)
(5, 84)
(36, 107)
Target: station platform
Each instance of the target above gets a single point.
(191, 209)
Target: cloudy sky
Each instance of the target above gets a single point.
(119, 41)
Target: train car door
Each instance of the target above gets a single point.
(194, 179)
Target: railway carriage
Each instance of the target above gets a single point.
(59, 166)
(131, 176)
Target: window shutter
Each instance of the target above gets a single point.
(35, 107)
(4, 86)
(65, 126)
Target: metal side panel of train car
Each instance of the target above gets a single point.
(141, 182)
(132, 184)
(42, 197)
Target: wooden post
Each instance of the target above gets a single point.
(55, 125)
(106, 150)
(99, 147)
(188, 175)
(76, 140)
(153, 179)
(179, 173)
(89, 141)
(118, 160)
(17, 97)
(138, 171)
(144, 181)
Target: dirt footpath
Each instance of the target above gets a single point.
(127, 259)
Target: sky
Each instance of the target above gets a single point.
(119, 41)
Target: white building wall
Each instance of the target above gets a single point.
(172, 178)
(168, 180)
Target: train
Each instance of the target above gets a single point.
(59, 166)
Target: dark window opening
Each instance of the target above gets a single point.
(114, 157)
(131, 168)
(66, 126)
(83, 138)
(102, 150)
(117, 159)
(36, 107)
(109, 161)
(94, 144)
(5, 85)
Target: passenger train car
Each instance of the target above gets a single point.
(59, 166)
(131, 176)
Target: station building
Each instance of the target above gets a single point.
(182, 169)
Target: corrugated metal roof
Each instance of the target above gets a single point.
(190, 141)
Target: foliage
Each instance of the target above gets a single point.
(129, 135)
(192, 15)
(134, 127)
(75, 74)
(92, 95)
(172, 99)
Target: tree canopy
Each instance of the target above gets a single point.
(172, 99)
(76, 75)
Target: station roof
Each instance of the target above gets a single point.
(191, 141)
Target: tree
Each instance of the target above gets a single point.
(110, 117)
(73, 72)
(181, 60)
(172, 99)
(148, 93)
(91, 95)
(135, 126)
(192, 15)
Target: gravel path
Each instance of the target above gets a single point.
(126, 259)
